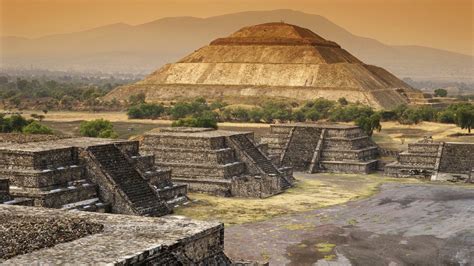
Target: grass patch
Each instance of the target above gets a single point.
(325, 247)
(311, 192)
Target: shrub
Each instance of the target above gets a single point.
(342, 101)
(36, 128)
(99, 128)
(350, 112)
(256, 115)
(369, 123)
(146, 111)
(440, 93)
(465, 118)
(320, 106)
(206, 120)
(276, 111)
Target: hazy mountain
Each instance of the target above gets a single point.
(145, 47)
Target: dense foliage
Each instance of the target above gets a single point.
(99, 128)
(17, 123)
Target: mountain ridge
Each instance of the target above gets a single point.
(152, 44)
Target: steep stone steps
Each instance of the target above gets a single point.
(252, 151)
(125, 176)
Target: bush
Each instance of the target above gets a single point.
(184, 109)
(350, 113)
(276, 111)
(99, 128)
(36, 128)
(369, 123)
(440, 93)
(465, 118)
(206, 120)
(146, 111)
(317, 109)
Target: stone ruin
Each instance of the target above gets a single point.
(321, 148)
(443, 161)
(224, 163)
(106, 239)
(87, 174)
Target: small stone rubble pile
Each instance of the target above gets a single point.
(21, 235)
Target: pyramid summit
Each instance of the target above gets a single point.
(273, 60)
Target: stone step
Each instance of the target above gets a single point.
(347, 166)
(128, 179)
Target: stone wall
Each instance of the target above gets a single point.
(322, 147)
(457, 158)
(255, 186)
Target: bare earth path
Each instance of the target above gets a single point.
(417, 224)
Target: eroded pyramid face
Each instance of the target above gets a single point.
(273, 60)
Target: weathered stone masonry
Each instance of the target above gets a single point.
(321, 148)
(435, 161)
(88, 174)
(218, 162)
(128, 240)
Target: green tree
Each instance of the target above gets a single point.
(440, 93)
(465, 118)
(99, 128)
(36, 128)
(369, 123)
(146, 111)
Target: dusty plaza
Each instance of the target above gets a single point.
(256, 138)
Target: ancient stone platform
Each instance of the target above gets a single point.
(124, 240)
(321, 148)
(88, 174)
(274, 60)
(224, 163)
(453, 161)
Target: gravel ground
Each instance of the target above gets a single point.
(23, 234)
(404, 224)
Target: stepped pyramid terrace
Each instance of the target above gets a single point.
(88, 174)
(453, 161)
(321, 148)
(273, 61)
(224, 163)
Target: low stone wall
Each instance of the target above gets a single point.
(255, 186)
(457, 158)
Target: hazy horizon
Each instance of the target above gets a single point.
(440, 24)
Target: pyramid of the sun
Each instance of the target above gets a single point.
(273, 60)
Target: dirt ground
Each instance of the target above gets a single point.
(403, 224)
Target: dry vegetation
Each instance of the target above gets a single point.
(311, 192)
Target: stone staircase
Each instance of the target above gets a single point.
(140, 195)
(261, 161)
(253, 152)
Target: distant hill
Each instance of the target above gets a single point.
(143, 48)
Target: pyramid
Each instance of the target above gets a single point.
(273, 60)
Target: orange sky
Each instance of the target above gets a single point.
(444, 24)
